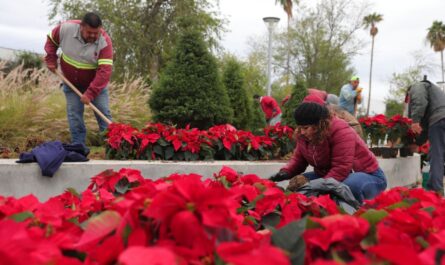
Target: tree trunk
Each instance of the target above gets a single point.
(370, 77)
(441, 61)
(288, 54)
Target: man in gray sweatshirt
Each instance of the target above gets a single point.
(427, 110)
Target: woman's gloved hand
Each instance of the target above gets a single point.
(282, 175)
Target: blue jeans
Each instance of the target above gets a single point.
(75, 108)
(436, 135)
(364, 186)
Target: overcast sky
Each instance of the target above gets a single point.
(24, 24)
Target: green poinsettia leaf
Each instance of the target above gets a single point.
(290, 238)
(20, 217)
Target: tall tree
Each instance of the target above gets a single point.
(299, 91)
(370, 21)
(323, 41)
(436, 38)
(287, 7)
(399, 82)
(190, 90)
(235, 86)
(143, 32)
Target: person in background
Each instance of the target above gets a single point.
(86, 61)
(270, 108)
(334, 150)
(426, 107)
(332, 99)
(317, 92)
(350, 95)
(285, 100)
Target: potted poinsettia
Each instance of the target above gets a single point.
(375, 129)
(399, 132)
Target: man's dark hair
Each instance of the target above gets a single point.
(256, 96)
(92, 19)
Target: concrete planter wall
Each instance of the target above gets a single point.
(21, 179)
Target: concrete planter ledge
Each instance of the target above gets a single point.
(21, 179)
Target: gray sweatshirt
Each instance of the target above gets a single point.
(426, 104)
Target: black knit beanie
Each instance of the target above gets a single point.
(310, 113)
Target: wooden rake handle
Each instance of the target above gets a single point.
(98, 112)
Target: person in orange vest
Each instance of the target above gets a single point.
(86, 61)
(270, 108)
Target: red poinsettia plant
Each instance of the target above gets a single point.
(399, 130)
(375, 127)
(223, 142)
(124, 218)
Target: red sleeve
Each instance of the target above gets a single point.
(342, 149)
(52, 44)
(297, 163)
(103, 72)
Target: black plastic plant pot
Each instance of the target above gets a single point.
(405, 151)
(377, 151)
(389, 152)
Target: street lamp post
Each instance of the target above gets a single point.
(441, 85)
(271, 22)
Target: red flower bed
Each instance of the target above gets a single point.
(125, 219)
(223, 142)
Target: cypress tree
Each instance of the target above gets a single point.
(190, 90)
(258, 121)
(299, 91)
(234, 84)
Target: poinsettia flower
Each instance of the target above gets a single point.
(106, 251)
(11, 205)
(117, 132)
(247, 253)
(213, 204)
(411, 221)
(188, 231)
(327, 203)
(425, 148)
(145, 140)
(147, 255)
(390, 235)
(271, 198)
(290, 212)
(396, 254)
(340, 229)
(51, 212)
(18, 247)
(97, 228)
(433, 254)
(230, 174)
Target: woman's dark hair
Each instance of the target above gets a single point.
(92, 19)
(313, 114)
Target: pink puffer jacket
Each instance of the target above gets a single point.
(343, 152)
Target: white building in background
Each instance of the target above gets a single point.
(7, 54)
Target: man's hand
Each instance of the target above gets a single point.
(282, 175)
(359, 90)
(52, 67)
(85, 100)
(417, 129)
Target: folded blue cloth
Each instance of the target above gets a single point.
(51, 155)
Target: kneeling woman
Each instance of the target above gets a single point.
(334, 150)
